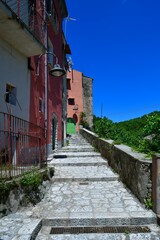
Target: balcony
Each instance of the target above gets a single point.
(22, 26)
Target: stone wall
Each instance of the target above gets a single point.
(88, 99)
(156, 184)
(14, 194)
(133, 168)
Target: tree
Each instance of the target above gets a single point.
(142, 134)
(152, 129)
(102, 126)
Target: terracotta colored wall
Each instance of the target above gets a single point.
(76, 92)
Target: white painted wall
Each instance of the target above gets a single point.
(14, 70)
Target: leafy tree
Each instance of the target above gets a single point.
(152, 128)
(102, 126)
(142, 134)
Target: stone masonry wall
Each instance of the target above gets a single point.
(87, 99)
(16, 195)
(133, 168)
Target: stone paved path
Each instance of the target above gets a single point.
(83, 192)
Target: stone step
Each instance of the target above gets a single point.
(77, 149)
(91, 204)
(45, 234)
(80, 161)
(79, 179)
(114, 219)
(78, 143)
(19, 226)
(76, 164)
(82, 140)
(76, 154)
(83, 173)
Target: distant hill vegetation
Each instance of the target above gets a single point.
(142, 134)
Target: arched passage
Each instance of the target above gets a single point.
(75, 117)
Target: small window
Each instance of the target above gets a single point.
(41, 105)
(71, 101)
(11, 94)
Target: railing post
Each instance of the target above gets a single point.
(9, 144)
(156, 183)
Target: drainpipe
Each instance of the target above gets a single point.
(46, 81)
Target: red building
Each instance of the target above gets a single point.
(46, 108)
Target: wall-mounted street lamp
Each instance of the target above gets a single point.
(56, 71)
(75, 108)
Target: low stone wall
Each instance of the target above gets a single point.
(133, 168)
(14, 195)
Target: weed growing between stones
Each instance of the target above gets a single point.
(148, 203)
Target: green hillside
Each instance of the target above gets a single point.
(142, 134)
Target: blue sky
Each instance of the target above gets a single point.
(117, 43)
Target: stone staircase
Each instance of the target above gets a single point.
(86, 193)
(85, 201)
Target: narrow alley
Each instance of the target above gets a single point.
(85, 197)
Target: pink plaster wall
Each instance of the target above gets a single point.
(76, 92)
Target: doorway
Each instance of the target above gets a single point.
(71, 126)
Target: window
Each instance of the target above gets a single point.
(71, 101)
(49, 4)
(41, 105)
(32, 7)
(68, 84)
(51, 10)
(11, 94)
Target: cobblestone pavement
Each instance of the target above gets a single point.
(84, 192)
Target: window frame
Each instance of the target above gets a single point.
(11, 94)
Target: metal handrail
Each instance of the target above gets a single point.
(22, 146)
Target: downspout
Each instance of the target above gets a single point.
(46, 80)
